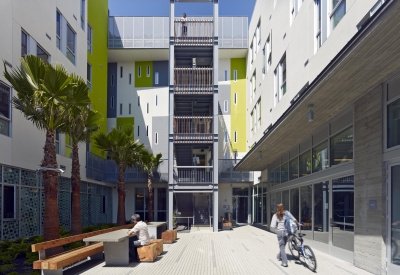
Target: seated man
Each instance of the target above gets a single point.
(141, 231)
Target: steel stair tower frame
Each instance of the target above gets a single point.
(212, 135)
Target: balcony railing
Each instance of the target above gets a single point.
(189, 129)
(194, 31)
(193, 80)
(193, 174)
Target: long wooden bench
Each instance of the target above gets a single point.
(54, 265)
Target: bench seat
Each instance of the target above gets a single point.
(68, 258)
(159, 243)
(147, 253)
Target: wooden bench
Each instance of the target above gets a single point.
(169, 236)
(147, 253)
(160, 245)
(226, 225)
(54, 265)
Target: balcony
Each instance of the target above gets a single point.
(195, 31)
(189, 80)
(189, 129)
(193, 174)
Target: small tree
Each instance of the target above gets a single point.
(149, 164)
(41, 93)
(125, 151)
(80, 123)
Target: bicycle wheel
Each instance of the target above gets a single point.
(309, 258)
(294, 245)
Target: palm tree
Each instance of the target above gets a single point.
(149, 163)
(41, 92)
(125, 151)
(81, 122)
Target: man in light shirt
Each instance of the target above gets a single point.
(141, 231)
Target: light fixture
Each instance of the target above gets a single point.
(310, 113)
(194, 63)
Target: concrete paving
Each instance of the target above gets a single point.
(244, 250)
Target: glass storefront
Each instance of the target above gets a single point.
(342, 147)
(306, 203)
(321, 212)
(395, 216)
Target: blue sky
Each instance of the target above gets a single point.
(161, 8)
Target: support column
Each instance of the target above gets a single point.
(170, 208)
(215, 210)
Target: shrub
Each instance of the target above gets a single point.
(13, 273)
(64, 232)
(6, 267)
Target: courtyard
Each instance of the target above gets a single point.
(244, 250)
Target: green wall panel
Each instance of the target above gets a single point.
(143, 80)
(121, 121)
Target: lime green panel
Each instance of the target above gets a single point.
(144, 80)
(121, 121)
(98, 20)
(238, 110)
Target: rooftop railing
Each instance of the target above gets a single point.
(188, 80)
(192, 31)
(193, 129)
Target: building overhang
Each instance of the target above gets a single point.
(368, 59)
(142, 54)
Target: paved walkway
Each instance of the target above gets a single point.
(245, 250)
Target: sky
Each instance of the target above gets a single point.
(161, 8)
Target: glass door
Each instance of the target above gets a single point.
(142, 197)
(240, 209)
(393, 244)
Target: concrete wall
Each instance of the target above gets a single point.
(370, 183)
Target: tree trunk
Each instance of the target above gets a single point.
(121, 219)
(76, 222)
(150, 187)
(51, 223)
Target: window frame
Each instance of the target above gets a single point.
(89, 37)
(3, 202)
(234, 75)
(8, 119)
(148, 71)
(23, 32)
(89, 75)
(333, 11)
(139, 68)
(68, 48)
(156, 78)
(58, 29)
(83, 14)
(226, 109)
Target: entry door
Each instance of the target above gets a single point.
(240, 209)
(393, 243)
(142, 197)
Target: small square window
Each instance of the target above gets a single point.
(121, 71)
(148, 71)
(138, 131)
(234, 75)
(156, 78)
(225, 75)
(139, 71)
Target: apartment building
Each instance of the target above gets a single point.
(73, 33)
(322, 111)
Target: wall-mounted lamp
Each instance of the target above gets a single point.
(310, 113)
(194, 63)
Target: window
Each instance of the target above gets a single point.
(138, 131)
(225, 106)
(130, 79)
(120, 128)
(138, 101)
(342, 147)
(121, 72)
(112, 80)
(280, 80)
(89, 76)
(147, 130)
(268, 52)
(24, 43)
(42, 54)
(147, 107)
(252, 123)
(57, 141)
(254, 85)
(251, 53)
(139, 71)
(156, 138)
(148, 71)
(156, 78)
(112, 102)
(258, 33)
(318, 14)
(338, 12)
(83, 14)
(259, 113)
(70, 44)
(226, 136)
(5, 109)
(120, 108)
(68, 140)
(89, 38)
(235, 136)
(234, 75)
(235, 98)
(9, 201)
(130, 108)
(226, 75)
(58, 30)
(156, 100)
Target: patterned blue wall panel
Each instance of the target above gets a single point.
(91, 188)
(1, 173)
(83, 187)
(11, 175)
(28, 178)
(30, 212)
(84, 210)
(42, 211)
(10, 230)
(64, 184)
(64, 209)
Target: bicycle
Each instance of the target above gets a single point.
(299, 249)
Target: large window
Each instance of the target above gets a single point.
(318, 23)
(320, 157)
(342, 147)
(58, 30)
(42, 54)
(395, 214)
(306, 204)
(305, 164)
(294, 168)
(393, 113)
(70, 44)
(83, 13)
(5, 110)
(89, 38)
(321, 212)
(338, 12)
(24, 43)
(89, 76)
(9, 202)
(280, 80)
